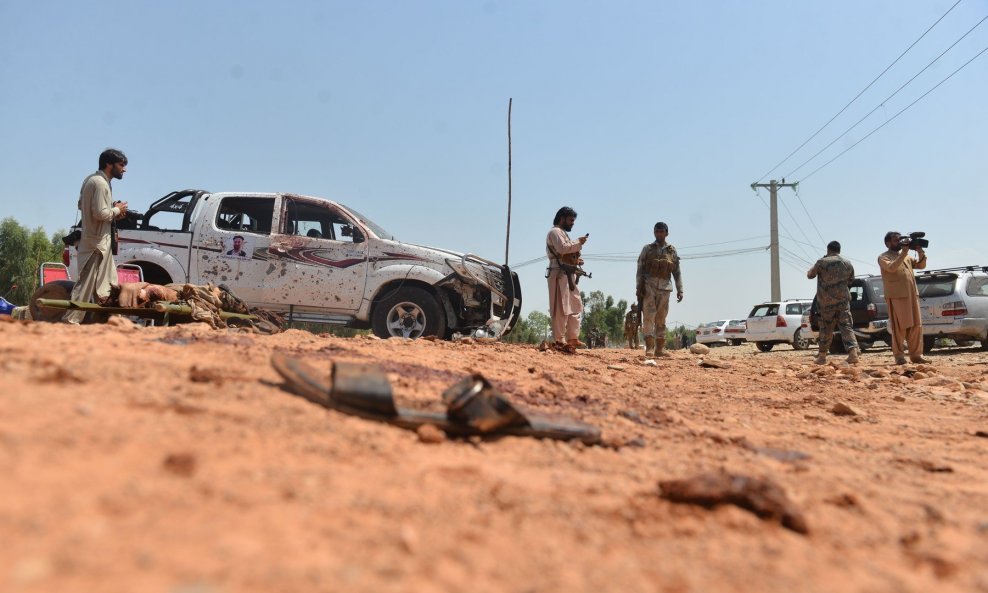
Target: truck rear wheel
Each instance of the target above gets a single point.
(409, 312)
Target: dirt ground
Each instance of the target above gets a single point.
(172, 460)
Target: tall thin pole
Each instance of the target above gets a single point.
(507, 235)
(773, 188)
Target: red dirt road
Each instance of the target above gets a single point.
(172, 460)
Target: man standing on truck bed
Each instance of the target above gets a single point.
(902, 297)
(833, 275)
(98, 211)
(565, 305)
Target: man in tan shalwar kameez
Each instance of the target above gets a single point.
(95, 260)
(902, 297)
(565, 305)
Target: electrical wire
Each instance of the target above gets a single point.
(781, 224)
(867, 263)
(886, 99)
(891, 119)
(795, 255)
(814, 135)
(798, 197)
(789, 212)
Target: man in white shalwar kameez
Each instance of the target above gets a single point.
(565, 305)
(97, 271)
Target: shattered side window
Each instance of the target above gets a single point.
(318, 221)
(978, 287)
(245, 215)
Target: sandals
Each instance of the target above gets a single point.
(473, 406)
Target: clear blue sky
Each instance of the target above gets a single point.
(630, 112)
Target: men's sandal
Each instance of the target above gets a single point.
(473, 405)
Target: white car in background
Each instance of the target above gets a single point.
(712, 332)
(735, 330)
(727, 331)
(778, 322)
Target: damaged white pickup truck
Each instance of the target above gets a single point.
(316, 260)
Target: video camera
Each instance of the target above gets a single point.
(913, 240)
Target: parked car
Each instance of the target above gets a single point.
(712, 333)
(317, 260)
(954, 304)
(778, 322)
(869, 314)
(735, 331)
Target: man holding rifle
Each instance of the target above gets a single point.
(658, 267)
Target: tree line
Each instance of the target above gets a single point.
(22, 251)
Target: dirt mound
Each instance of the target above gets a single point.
(171, 460)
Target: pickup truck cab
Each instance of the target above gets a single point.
(316, 260)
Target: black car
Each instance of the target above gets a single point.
(869, 314)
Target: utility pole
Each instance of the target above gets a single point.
(773, 188)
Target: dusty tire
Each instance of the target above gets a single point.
(799, 342)
(408, 312)
(764, 346)
(929, 342)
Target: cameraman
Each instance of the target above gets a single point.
(902, 296)
(98, 211)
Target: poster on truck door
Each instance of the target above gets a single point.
(238, 247)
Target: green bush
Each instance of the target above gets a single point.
(21, 254)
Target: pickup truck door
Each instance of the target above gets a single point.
(320, 254)
(231, 245)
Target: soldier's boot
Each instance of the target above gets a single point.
(821, 357)
(853, 356)
(649, 346)
(660, 344)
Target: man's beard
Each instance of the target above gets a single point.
(566, 227)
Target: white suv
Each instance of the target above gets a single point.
(778, 322)
(954, 304)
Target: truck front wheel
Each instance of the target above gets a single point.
(408, 313)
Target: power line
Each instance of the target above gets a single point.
(795, 255)
(818, 234)
(860, 261)
(814, 135)
(891, 119)
(692, 246)
(789, 212)
(886, 99)
(633, 255)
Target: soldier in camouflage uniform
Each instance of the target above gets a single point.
(658, 266)
(631, 326)
(834, 275)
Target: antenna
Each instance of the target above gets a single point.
(507, 234)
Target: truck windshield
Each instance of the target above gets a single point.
(373, 226)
